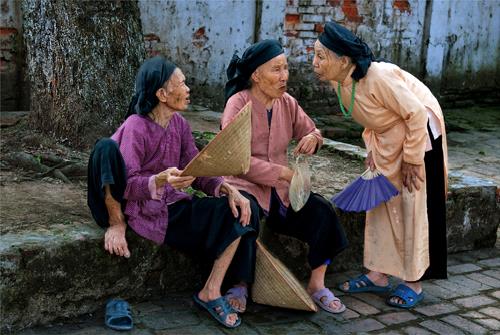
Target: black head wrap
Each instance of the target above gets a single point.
(344, 43)
(151, 76)
(240, 69)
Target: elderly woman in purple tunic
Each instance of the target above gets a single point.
(135, 181)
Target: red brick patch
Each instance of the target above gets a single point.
(350, 10)
(199, 37)
(292, 18)
(402, 6)
(152, 37)
(318, 28)
(292, 33)
(7, 31)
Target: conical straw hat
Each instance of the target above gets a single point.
(276, 286)
(228, 154)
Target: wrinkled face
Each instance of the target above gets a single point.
(327, 65)
(271, 77)
(177, 92)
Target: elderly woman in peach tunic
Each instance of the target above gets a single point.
(405, 139)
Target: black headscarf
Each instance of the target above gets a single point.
(344, 43)
(240, 69)
(151, 76)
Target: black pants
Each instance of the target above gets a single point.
(205, 227)
(315, 224)
(201, 227)
(436, 211)
(106, 167)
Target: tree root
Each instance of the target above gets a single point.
(32, 163)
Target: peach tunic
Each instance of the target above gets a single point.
(392, 105)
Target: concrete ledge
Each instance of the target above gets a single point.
(66, 272)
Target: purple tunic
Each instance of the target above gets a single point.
(147, 149)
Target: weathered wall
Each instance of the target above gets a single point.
(463, 55)
(451, 45)
(201, 37)
(13, 89)
(393, 32)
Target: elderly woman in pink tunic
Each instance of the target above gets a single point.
(261, 76)
(135, 182)
(405, 139)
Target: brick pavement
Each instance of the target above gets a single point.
(467, 303)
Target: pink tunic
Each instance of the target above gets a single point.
(269, 145)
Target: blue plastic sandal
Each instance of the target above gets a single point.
(219, 309)
(409, 297)
(363, 284)
(118, 315)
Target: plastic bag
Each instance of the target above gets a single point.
(300, 186)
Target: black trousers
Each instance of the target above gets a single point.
(315, 224)
(205, 227)
(200, 227)
(106, 167)
(436, 211)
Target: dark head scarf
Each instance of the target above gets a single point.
(344, 43)
(240, 69)
(151, 76)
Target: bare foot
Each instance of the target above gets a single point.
(114, 238)
(115, 241)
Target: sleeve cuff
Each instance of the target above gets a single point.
(156, 194)
(217, 188)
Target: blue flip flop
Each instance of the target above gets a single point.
(403, 292)
(363, 284)
(224, 309)
(118, 315)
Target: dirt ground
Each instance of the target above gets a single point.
(30, 198)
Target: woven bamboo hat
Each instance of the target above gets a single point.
(228, 154)
(276, 286)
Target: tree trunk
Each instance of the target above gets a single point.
(82, 57)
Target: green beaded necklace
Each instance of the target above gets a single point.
(349, 112)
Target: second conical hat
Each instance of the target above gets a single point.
(228, 154)
(275, 285)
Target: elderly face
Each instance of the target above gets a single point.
(176, 92)
(271, 77)
(327, 65)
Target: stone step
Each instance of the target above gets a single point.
(64, 271)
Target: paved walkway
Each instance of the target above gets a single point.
(467, 303)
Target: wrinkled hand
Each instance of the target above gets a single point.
(369, 163)
(413, 175)
(307, 145)
(237, 200)
(114, 240)
(173, 177)
(286, 174)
